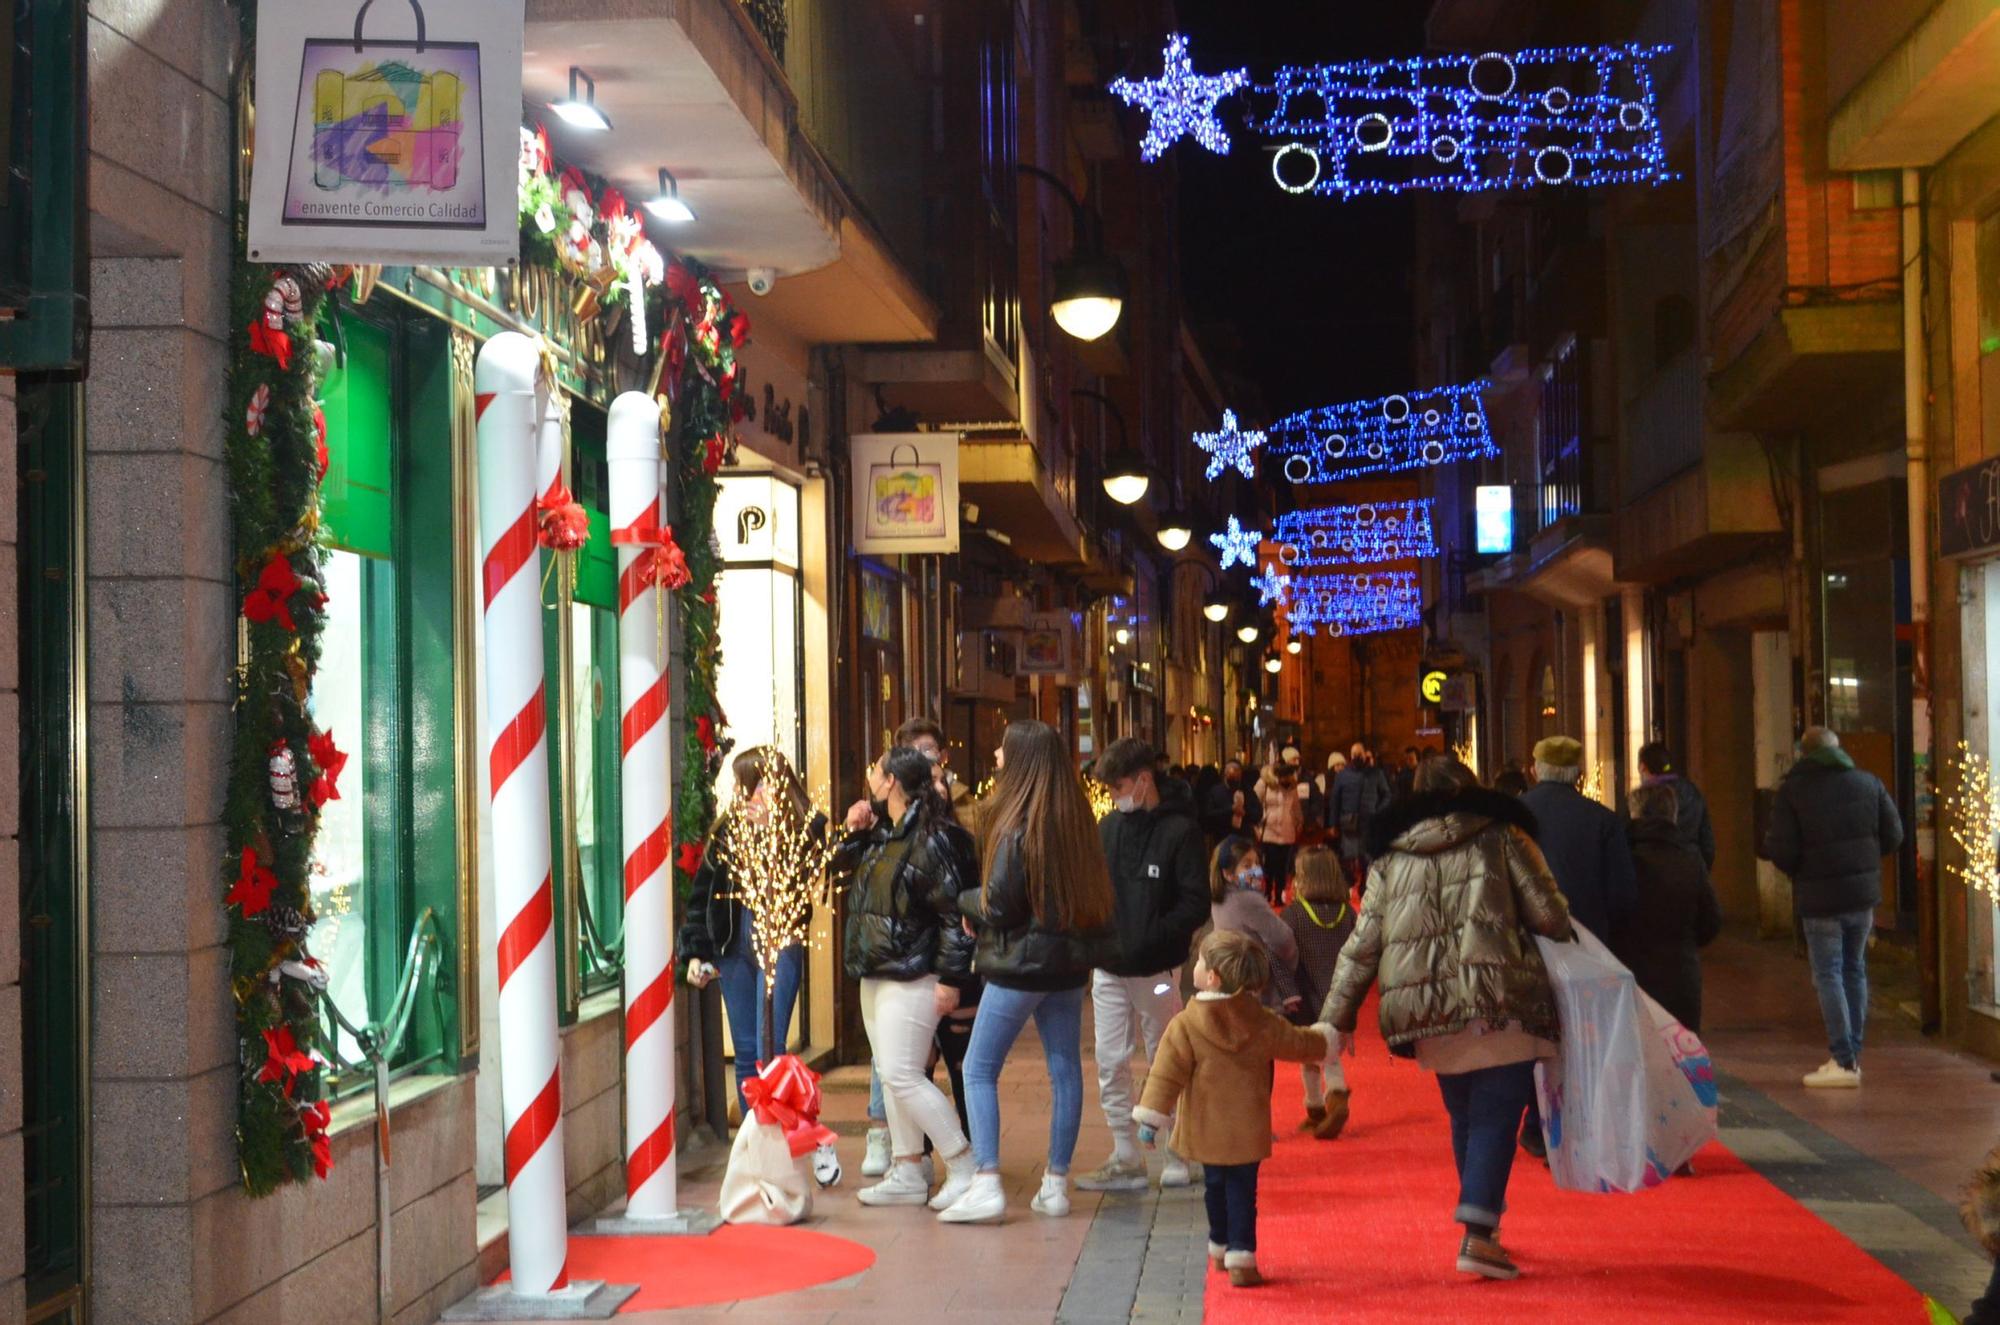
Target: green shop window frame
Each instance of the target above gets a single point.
(389, 488)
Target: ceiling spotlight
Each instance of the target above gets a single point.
(1274, 664)
(667, 206)
(1247, 632)
(581, 112)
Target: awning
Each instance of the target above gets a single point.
(1005, 479)
(1823, 357)
(1924, 97)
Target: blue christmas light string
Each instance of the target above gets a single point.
(1355, 604)
(1555, 116)
(1360, 534)
(1423, 428)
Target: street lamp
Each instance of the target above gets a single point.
(1126, 478)
(1274, 664)
(1176, 530)
(1216, 606)
(1293, 647)
(1247, 632)
(1088, 293)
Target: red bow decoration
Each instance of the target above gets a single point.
(272, 341)
(785, 1094)
(564, 524)
(704, 729)
(271, 599)
(688, 859)
(329, 759)
(253, 887)
(320, 453)
(665, 565)
(316, 1117)
(283, 1059)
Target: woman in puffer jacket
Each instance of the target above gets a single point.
(907, 948)
(1457, 890)
(1982, 1217)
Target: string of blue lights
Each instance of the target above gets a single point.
(1355, 604)
(1355, 535)
(1434, 427)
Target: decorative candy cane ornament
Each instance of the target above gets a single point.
(632, 448)
(515, 408)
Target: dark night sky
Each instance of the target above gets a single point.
(1307, 296)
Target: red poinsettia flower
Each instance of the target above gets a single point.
(316, 1118)
(739, 329)
(712, 457)
(271, 599)
(322, 1154)
(704, 729)
(283, 1059)
(253, 887)
(612, 206)
(329, 759)
(689, 859)
(684, 286)
(728, 384)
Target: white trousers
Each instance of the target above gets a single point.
(1127, 1010)
(901, 1017)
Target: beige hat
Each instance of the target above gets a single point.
(1559, 752)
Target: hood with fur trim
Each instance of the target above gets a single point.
(1431, 821)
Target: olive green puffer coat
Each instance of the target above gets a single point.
(1457, 886)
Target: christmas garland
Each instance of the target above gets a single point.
(284, 769)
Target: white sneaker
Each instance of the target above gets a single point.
(826, 1165)
(1114, 1175)
(876, 1162)
(984, 1202)
(1053, 1199)
(1175, 1173)
(959, 1172)
(1830, 1075)
(905, 1185)
(930, 1172)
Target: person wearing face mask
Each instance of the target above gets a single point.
(1152, 849)
(1237, 902)
(1283, 820)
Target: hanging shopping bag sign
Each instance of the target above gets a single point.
(906, 493)
(391, 140)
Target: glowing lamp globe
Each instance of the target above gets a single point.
(1247, 633)
(1274, 665)
(1088, 295)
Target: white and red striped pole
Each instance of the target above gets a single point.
(515, 406)
(632, 450)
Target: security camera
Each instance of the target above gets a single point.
(762, 279)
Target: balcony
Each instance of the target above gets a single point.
(1663, 426)
(1925, 96)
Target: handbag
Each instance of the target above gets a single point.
(1633, 1096)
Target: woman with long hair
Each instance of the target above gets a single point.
(1043, 921)
(715, 936)
(907, 948)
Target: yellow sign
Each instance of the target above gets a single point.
(1433, 687)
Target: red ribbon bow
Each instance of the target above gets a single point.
(564, 524)
(785, 1094)
(661, 562)
(271, 599)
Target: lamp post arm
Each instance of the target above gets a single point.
(1079, 217)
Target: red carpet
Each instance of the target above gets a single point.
(734, 1262)
(1359, 1230)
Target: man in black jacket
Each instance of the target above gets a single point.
(1831, 824)
(1153, 849)
(1657, 769)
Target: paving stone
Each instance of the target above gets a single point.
(1765, 1145)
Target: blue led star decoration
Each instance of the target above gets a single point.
(1237, 544)
(1180, 102)
(1546, 117)
(1231, 447)
(1272, 586)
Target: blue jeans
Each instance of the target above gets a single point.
(1485, 1108)
(1231, 1190)
(743, 1001)
(1837, 947)
(1058, 1018)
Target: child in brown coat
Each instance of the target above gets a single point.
(1215, 1061)
(1321, 920)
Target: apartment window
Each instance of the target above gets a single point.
(999, 154)
(385, 850)
(1561, 459)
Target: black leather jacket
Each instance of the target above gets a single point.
(1015, 951)
(902, 900)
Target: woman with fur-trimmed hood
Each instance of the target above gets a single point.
(1457, 891)
(1982, 1218)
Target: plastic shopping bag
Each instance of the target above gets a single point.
(1633, 1095)
(769, 1179)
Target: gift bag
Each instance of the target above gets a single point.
(1633, 1095)
(769, 1179)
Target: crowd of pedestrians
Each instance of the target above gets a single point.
(1296, 894)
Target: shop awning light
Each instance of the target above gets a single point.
(1247, 632)
(668, 206)
(582, 112)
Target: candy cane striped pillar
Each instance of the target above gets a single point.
(632, 447)
(513, 410)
